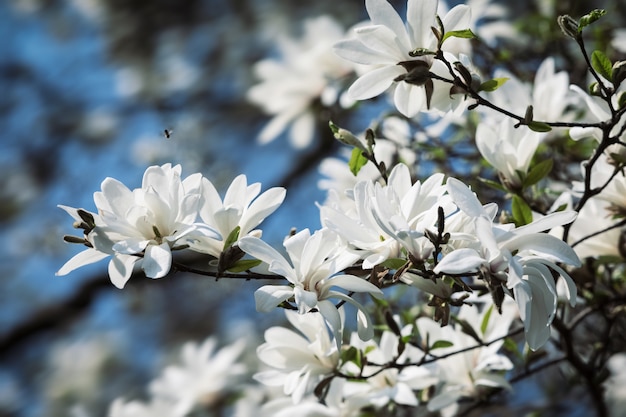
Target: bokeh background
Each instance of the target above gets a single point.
(88, 88)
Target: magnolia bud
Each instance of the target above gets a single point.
(569, 26)
(346, 137)
(619, 73)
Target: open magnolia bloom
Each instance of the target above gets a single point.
(299, 361)
(474, 371)
(508, 150)
(307, 71)
(141, 226)
(312, 270)
(204, 377)
(244, 206)
(387, 218)
(518, 260)
(395, 52)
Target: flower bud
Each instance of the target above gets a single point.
(569, 26)
(619, 73)
(345, 136)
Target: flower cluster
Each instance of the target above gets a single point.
(143, 226)
(403, 216)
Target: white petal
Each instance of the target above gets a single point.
(157, 260)
(420, 16)
(464, 198)
(86, 257)
(121, 268)
(354, 50)
(460, 261)
(545, 245)
(375, 82)
(269, 296)
(409, 99)
(262, 207)
(381, 12)
(258, 249)
(354, 284)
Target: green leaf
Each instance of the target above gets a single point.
(468, 329)
(493, 84)
(589, 18)
(357, 161)
(538, 172)
(441, 344)
(539, 126)
(464, 34)
(394, 263)
(243, 265)
(485, 322)
(522, 214)
(493, 184)
(232, 237)
(621, 101)
(619, 158)
(602, 64)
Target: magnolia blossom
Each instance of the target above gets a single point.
(598, 111)
(387, 218)
(203, 378)
(522, 259)
(141, 226)
(300, 361)
(312, 267)
(549, 95)
(507, 149)
(387, 46)
(468, 374)
(154, 408)
(337, 403)
(615, 385)
(391, 385)
(307, 71)
(244, 206)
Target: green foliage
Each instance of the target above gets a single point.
(485, 322)
(357, 161)
(493, 84)
(441, 344)
(589, 18)
(602, 64)
(464, 34)
(243, 265)
(539, 126)
(232, 237)
(538, 172)
(522, 214)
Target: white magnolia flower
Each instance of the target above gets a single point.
(507, 149)
(307, 71)
(615, 385)
(142, 226)
(244, 206)
(387, 218)
(299, 360)
(337, 403)
(468, 374)
(549, 94)
(156, 408)
(391, 385)
(312, 267)
(386, 44)
(204, 377)
(598, 111)
(522, 259)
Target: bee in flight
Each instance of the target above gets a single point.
(168, 133)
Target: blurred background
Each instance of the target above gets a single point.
(89, 90)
